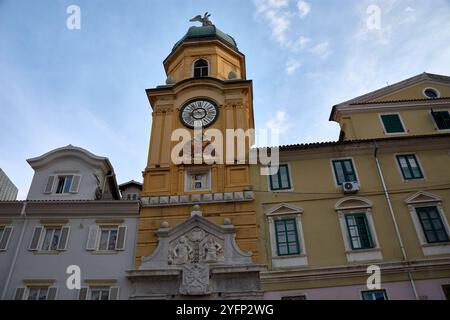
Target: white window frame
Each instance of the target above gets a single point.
(97, 229)
(434, 121)
(109, 288)
(56, 181)
(334, 173)
(428, 200)
(5, 227)
(400, 171)
(193, 67)
(431, 88)
(42, 238)
(27, 289)
(290, 179)
(187, 179)
(367, 290)
(281, 212)
(364, 206)
(405, 130)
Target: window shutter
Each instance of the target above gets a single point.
(34, 244)
(49, 186)
(92, 238)
(83, 293)
(19, 294)
(5, 238)
(120, 243)
(51, 294)
(75, 183)
(114, 293)
(62, 245)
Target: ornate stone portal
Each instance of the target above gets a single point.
(197, 259)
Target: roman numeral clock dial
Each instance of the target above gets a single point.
(202, 110)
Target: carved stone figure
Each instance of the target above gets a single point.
(181, 253)
(204, 20)
(195, 280)
(211, 250)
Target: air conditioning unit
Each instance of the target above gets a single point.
(350, 187)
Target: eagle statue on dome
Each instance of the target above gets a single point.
(204, 20)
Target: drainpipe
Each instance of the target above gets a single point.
(23, 215)
(394, 221)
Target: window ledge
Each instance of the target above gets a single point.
(44, 252)
(105, 252)
(364, 255)
(430, 249)
(282, 191)
(290, 261)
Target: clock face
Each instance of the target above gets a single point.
(202, 110)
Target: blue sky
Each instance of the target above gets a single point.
(86, 87)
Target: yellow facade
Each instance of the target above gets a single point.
(315, 191)
(314, 199)
(163, 178)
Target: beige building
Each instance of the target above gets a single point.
(378, 196)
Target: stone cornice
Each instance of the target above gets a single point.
(348, 271)
(71, 208)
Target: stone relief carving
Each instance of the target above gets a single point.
(212, 250)
(195, 279)
(182, 252)
(196, 246)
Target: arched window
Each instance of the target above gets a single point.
(201, 68)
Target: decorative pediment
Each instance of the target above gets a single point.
(351, 203)
(196, 241)
(284, 209)
(422, 197)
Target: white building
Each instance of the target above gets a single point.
(73, 216)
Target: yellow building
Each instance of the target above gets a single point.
(378, 196)
(206, 85)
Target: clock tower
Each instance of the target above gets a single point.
(206, 88)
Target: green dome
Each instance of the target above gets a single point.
(207, 33)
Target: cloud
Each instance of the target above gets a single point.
(292, 66)
(321, 50)
(279, 19)
(281, 122)
(304, 8)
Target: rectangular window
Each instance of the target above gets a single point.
(51, 239)
(374, 295)
(442, 119)
(287, 237)
(344, 171)
(281, 180)
(108, 239)
(432, 225)
(358, 231)
(5, 235)
(198, 180)
(99, 294)
(392, 123)
(410, 167)
(64, 184)
(37, 293)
